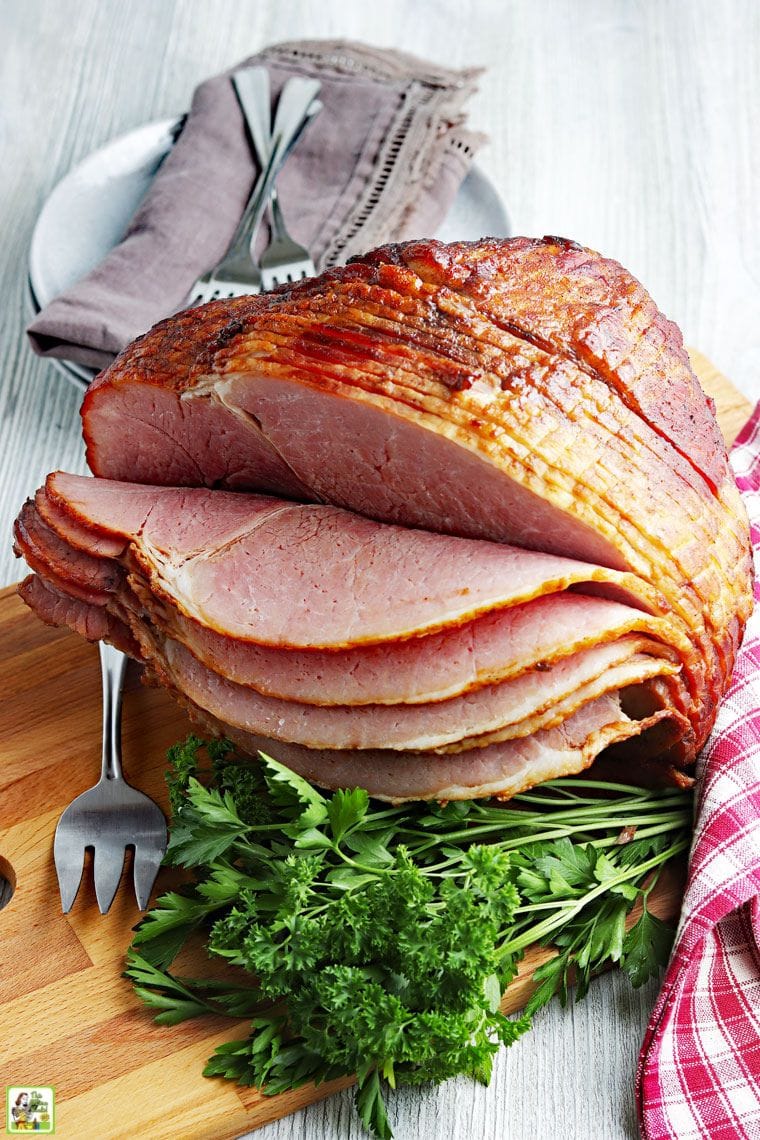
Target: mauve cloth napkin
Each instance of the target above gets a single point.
(382, 162)
(699, 1070)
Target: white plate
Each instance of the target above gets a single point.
(89, 210)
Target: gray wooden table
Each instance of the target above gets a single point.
(633, 127)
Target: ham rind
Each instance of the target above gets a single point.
(292, 575)
(492, 648)
(513, 708)
(525, 391)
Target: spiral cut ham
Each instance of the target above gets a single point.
(494, 532)
(256, 613)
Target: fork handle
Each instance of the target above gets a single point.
(298, 96)
(252, 88)
(278, 222)
(113, 666)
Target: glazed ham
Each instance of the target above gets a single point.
(556, 530)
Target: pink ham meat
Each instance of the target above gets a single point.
(492, 648)
(525, 391)
(69, 569)
(533, 700)
(291, 575)
(533, 635)
(93, 622)
(503, 768)
(500, 770)
(544, 682)
(512, 708)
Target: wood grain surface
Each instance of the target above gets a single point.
(630, 125)
(92, 1039)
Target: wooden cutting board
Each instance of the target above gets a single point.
(67, 1017)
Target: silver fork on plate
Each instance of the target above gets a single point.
(237, 274)
(284, 259)
(110, 816)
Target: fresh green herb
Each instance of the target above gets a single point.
(378, 940)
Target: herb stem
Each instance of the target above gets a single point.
(597, 816)
(568, 910)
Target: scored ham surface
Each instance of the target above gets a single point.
(524, 400)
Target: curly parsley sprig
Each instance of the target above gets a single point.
(378, 940)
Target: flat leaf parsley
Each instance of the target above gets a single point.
(378, 940)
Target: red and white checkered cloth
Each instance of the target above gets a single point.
(699, 1068)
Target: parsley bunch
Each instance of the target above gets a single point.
(378, 940)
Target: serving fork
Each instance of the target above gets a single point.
(110, 816)
(237, 274)
(284, 259)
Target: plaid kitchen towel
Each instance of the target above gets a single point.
(699, 1069)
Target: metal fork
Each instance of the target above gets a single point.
(237, 274)
(284, 259)
(110, 816)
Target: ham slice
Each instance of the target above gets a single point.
(502, 769)
(493, 648)
(517, 707)
(264, 570)
(93, 622)
(536, 693)
(73, 571)
(500, 645)
(524, 698)
(513, 708)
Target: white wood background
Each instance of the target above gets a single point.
(633, 127)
